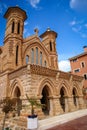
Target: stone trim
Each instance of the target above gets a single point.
(18, 72)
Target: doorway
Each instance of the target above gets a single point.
(62, 99)
(17, 95)
(74, 96)
(45, 100)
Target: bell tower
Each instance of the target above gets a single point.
(15, 17)
(15, 22)
(49, 40)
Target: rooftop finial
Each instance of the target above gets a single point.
(16, 5)
(48, 29)
(36, 31)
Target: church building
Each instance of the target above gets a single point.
(30, 66)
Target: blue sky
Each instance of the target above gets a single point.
(67, 17)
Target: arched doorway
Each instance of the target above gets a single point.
(17, 92)
(17, 95)
(74, 97)
(62, 98)
(45, 100)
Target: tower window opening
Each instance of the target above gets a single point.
(50, 46)
(17, 55)
(13, 24)
(18, 31)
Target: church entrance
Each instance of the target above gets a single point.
(62, 99)
(17, 95)
(45, 100)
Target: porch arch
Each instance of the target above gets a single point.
(15, 87)
(17, 92)
(50, 84)
(64, 93)
(76, 92)
(66, 88)
(46, 91)
(77, 88)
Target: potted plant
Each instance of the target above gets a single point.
(32, 120)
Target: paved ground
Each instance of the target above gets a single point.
(77, 124)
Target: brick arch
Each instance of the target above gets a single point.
(16, 83)
(50, 86)
(66, 87)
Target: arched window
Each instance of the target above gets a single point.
(36, 55)
(45, 63)
(40, 58)
(13, 24)
(27, 59)
(17, 55)
(50, 46)
(32, 56)
(18, 29)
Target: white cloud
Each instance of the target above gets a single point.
(80, 5)
(76, 22)
(76, 29)
(34, 3)
(64, 65)
(79, 27)
(73, 23)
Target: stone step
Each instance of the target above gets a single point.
(60, 119)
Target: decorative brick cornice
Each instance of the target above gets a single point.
(77, 78)
(39, 70)
(64, 75)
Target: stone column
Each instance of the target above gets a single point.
(77, 103)
(51, 112)
(57, 109)
(66, 104)
(38, 110)
(26, 110)
(81, 102)
(71, 106)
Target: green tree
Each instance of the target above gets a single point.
(7, 105)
